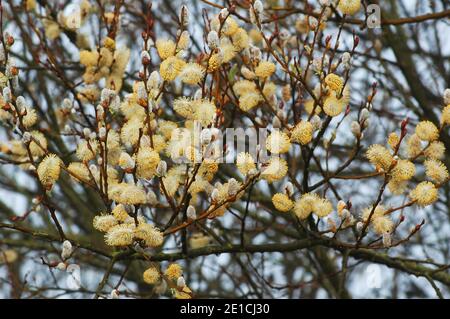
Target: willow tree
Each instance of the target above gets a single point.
(118, 178)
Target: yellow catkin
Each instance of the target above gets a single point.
(106, 59)
(30, 117)
(228, 51)
(245, 163)
(304, 205)
(165, 48)
(309, 107)
(378, 220)
(120, 214)
(184, 41)
(214, 62)
(249, 100)
(413, 145)
(204, 111)
(445, 118)
(120, 235)
(8, 256)
(199, 241)
(427, 131)
(184, 106)
(124, 193)
(397, 187)
(278, 142)
(255, 35)
(436, 150)
(265, 69)
(173, 272)
(436, 170)
(104, 223)
(151, 276)
(151, 236)
(240, 39)
(147, 161)
(89, 58)
(334, 82)
(244, 86)
(30, 5)
(39, 144)
(183, 293)
(302, 133)
(130, 131)
(49, 170)
(349, 7)
(382, 225)
(275, 170)
(322, 207)
(282, 202)
(286, 93)
(425, 194)
(379, 156)
(269, 89)
(171, 68)
(52, 29)
(393, 140)
(333, 106)
(230, 27)
(192, 73)
(87, 150)
(79, 171)
(109, 43)
(403, 170)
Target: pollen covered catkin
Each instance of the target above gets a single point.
(48, 170)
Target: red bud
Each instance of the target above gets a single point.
(403, 126)
(347, 110)
(355, 41)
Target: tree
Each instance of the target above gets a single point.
(119, 170)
